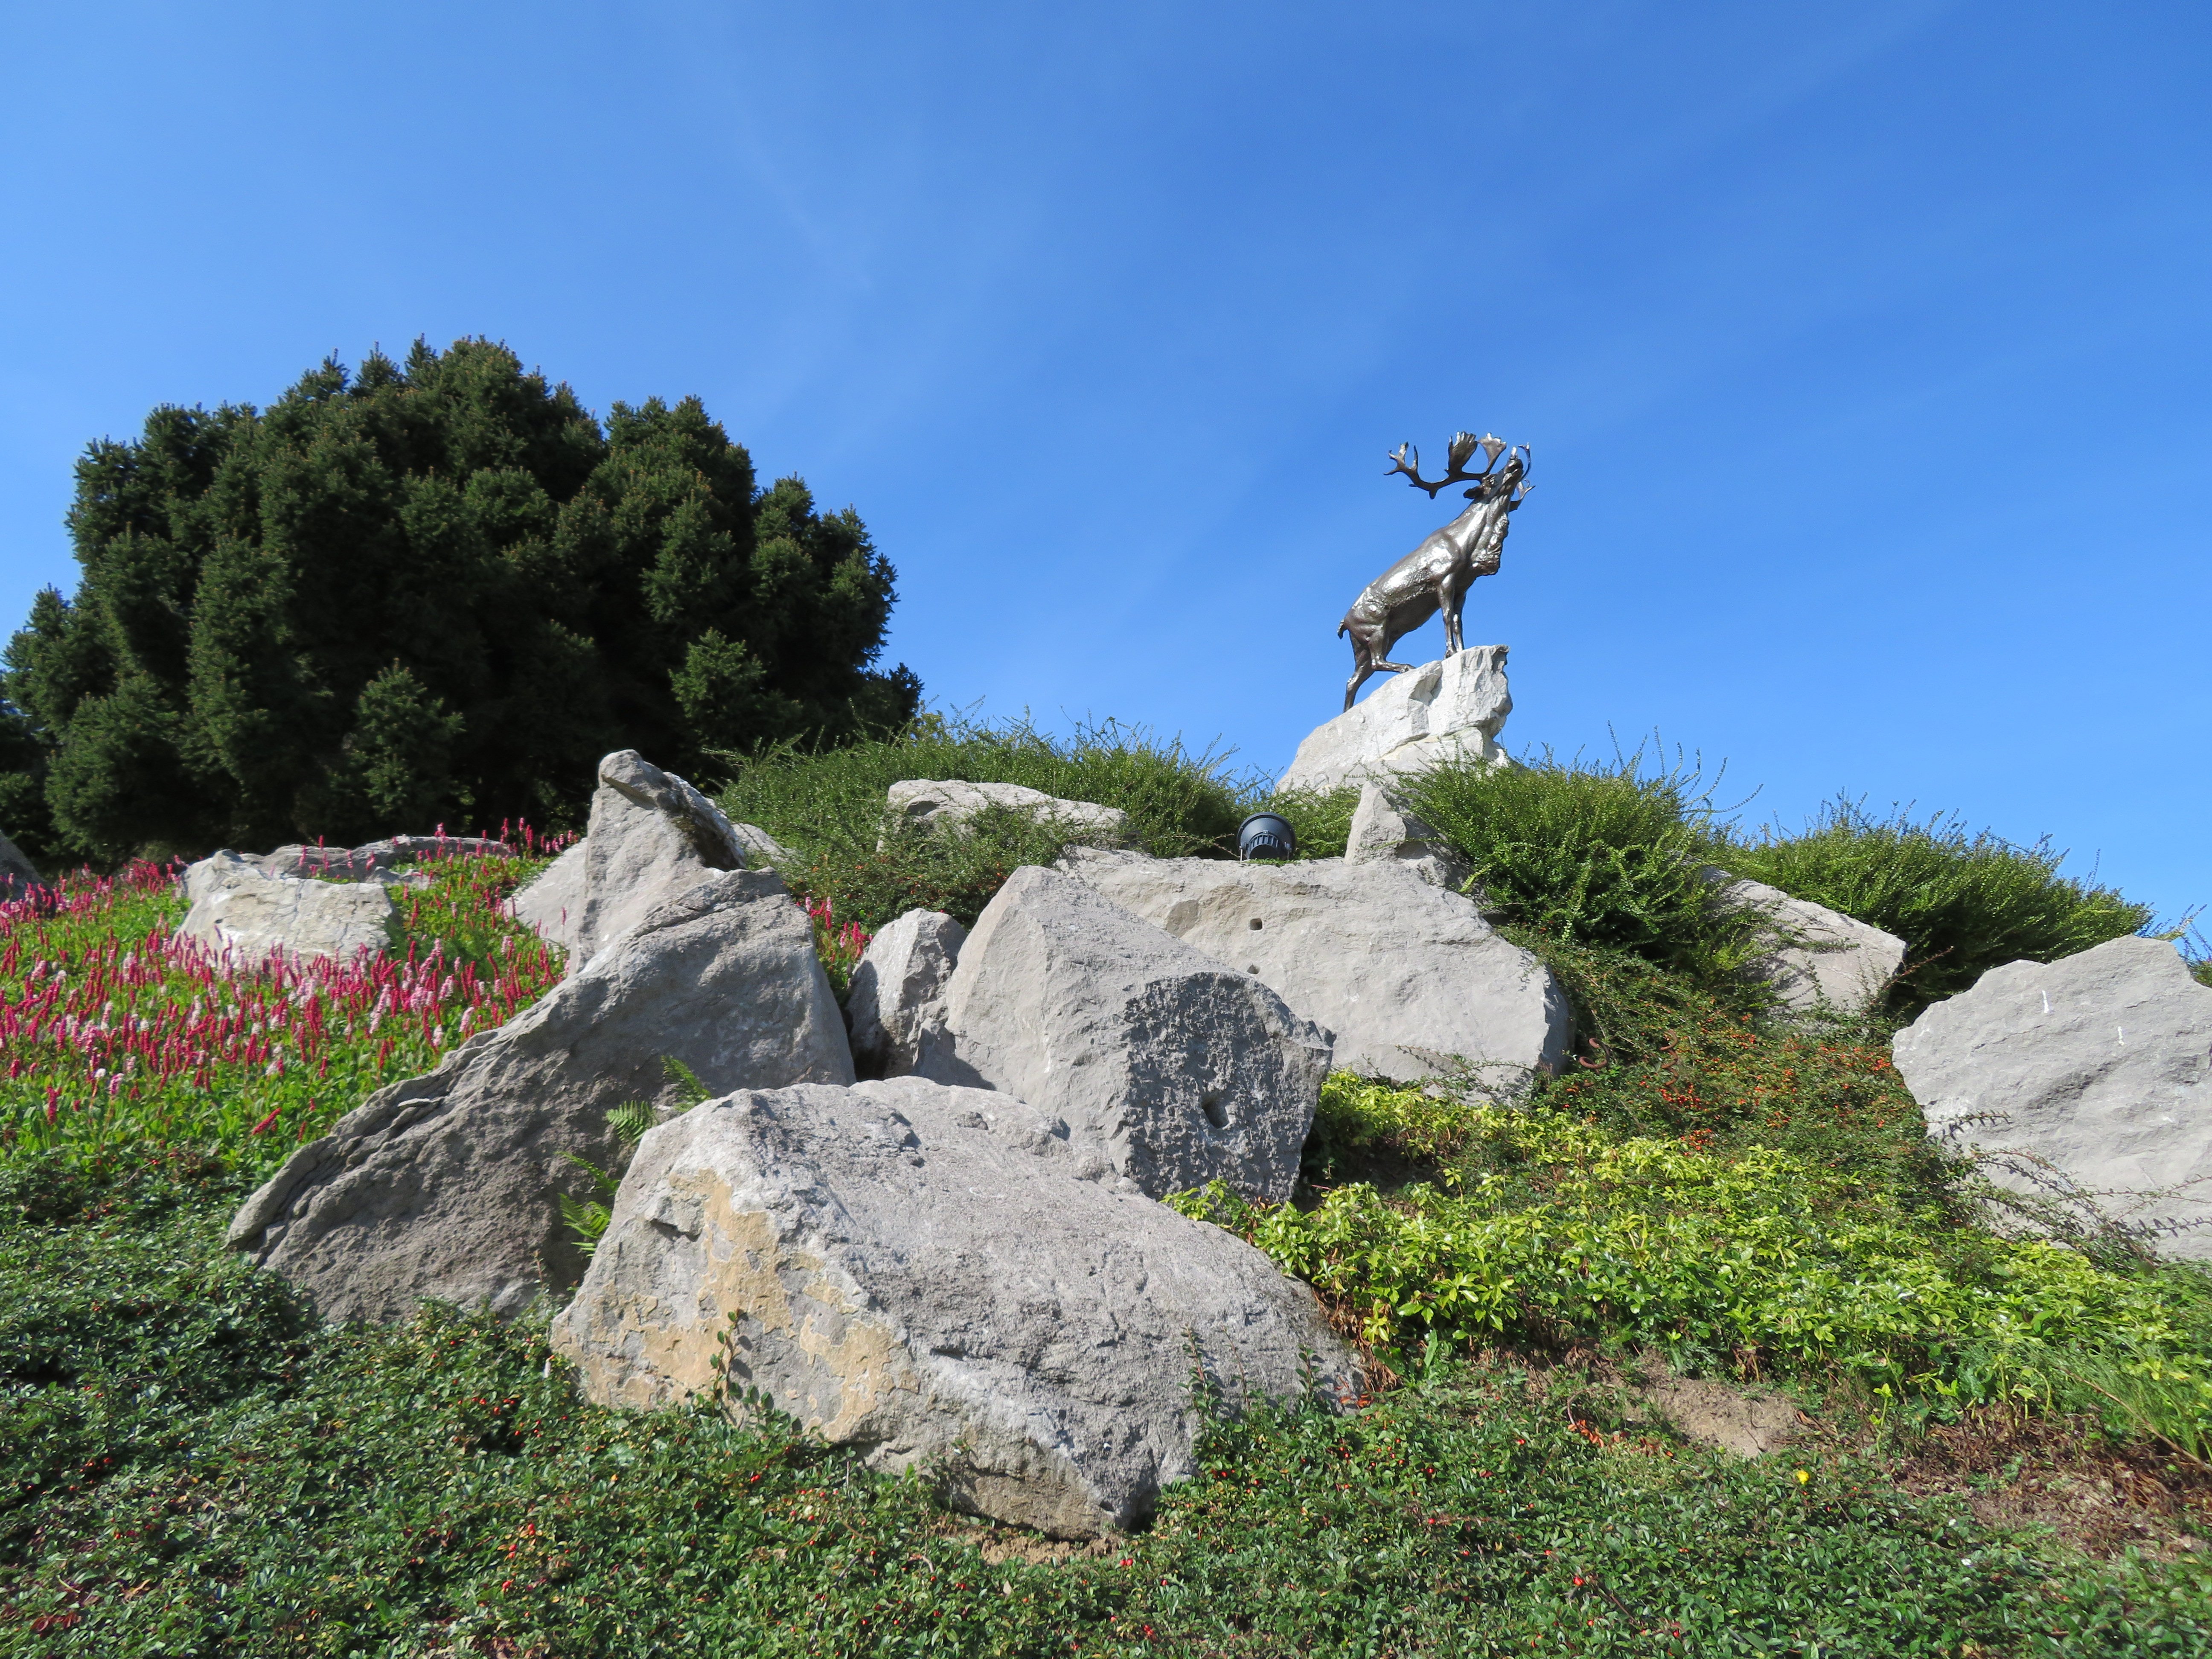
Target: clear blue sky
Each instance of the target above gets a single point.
(1863, 349)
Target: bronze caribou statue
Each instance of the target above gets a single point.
(1437, 574)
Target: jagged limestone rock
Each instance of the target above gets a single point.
(1407, 976)
(922, 1273)
(895, 1003)
(1452, 710)
(378, 858)
(1175, 1068)
(2097, 1067)
(552, 901)
(933, 804)
(446, 1185)
(248, 916)
(652, 835)
(761, 848)
(1382, 832)
(1814, 957)
(19, 878)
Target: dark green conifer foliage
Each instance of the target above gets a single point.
(429, 592)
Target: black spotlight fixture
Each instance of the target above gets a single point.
(1267, 836)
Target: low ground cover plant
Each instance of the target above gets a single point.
(1543, 1227)
(198, 1469)
(190, 1463)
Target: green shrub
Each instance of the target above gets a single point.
(433, 589)
(827, 807)
(1321, 819)
(1548, 1227)
(1589, 854)
(1962, 904)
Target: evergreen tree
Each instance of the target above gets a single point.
(424, 593)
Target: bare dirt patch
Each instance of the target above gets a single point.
(2012, 1470)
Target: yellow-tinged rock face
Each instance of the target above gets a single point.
(928, 1275)
(746, 1286)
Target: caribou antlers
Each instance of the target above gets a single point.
(1408, 459)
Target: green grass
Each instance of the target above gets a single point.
(196, 1470)
(1963, 904)
(827, 807)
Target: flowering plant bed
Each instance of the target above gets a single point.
(115, 1030)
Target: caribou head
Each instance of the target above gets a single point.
(1408, 459)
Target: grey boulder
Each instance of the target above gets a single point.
(2098, 1065)
(1384, 832)
(242, 913)
(379, 859)
(1447, 711)
(1408, 976)
(1813, 958)
(19, 878)
(552, 901)
(760, 847)
(922, 1273)
(652, 835)
(934, 804)
(895, 1005)
(446, 1185)
(1171, 1068)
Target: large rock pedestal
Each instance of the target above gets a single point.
(447, 1185)
(918, 1273)
(1406, 975)
(2098, 1064)
(1173, 1067)
(1452, 710)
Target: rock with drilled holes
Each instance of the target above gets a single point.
(925, 1275)
(1409, 976)
(1173, 1067)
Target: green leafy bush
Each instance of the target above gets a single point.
(1603, 855)
(1546, 1226)
(1963, 904)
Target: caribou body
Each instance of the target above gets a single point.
(1435, 575)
